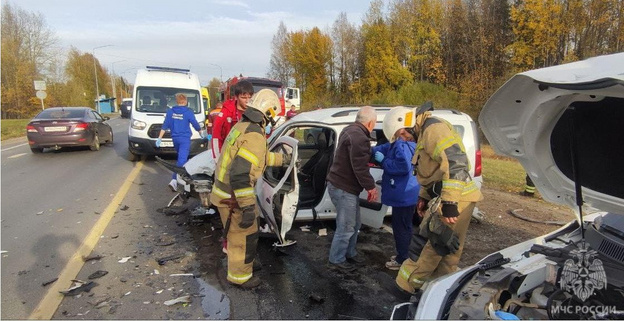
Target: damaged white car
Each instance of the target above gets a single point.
(563, 124)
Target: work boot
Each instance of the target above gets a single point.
(257, 266)
(358, 259)
(174, 185)
(526, 194)
(250, 284)
(342, 267)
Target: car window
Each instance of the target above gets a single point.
(97, 116)
(61, 113)
(274, 174)
(159, 99)
(460, 130)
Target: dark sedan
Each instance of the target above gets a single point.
(66, 127)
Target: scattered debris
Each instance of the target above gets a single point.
(125, 259)
(174, 210)
(159, 291)
(182, 274)
(317, 298)
(156, 272)
(102, 304)
(182, 299)
(40, 213)
(165, 259)
(127, 293)
(114, 236)
(166, 240)
(81, 286)
(59, 210)
(22, 272)
(2, 252)
(98, 300)
(91, 257)
(124, 208)
(97, 274)
(305, 228)
(323, 232)
(123, 280)
(46, 283)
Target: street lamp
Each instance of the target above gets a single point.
(97, 88)
(113, 80)
(220, 70)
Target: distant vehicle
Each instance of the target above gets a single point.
(126, 108)
(59, 127)
(292, 98)
(226, 90)
(563, 124)
(154, 93)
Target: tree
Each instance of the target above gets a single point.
(279, 67)
(26, 50)
(346, 45)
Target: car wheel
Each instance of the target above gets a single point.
(110, 141)
(96, 143)
(132, 156)
(36, 150)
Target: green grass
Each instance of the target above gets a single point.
(501, 173)
(12, 128)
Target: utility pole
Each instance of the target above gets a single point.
(97, 88)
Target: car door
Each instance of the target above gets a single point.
(373, 213)
(278, 192)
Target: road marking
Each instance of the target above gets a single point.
(50, 302)
(17, 155)
(16, 146)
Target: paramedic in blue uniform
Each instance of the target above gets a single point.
(177, 120)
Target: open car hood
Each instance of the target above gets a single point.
(536, 114)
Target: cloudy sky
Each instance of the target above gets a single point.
(207, 36)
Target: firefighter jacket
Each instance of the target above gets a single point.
(223, 123)
(243, 160)
(441, 163)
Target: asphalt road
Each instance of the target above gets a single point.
(53, 202)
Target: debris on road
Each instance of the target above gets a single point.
(124, 208)
(166, 259)
(91, 257)
(182, 274)
(81, 286)
(125, 259)
(323, 232)
(317, 298)
(174, 210)
(182, 299)
(97, 274)
(305, 228)
(46, 283)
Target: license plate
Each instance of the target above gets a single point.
(166, 144)
(55, 129)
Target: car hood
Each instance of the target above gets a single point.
(542, 117)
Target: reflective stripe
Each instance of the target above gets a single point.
(242, 192)
(249, 156)
(444, 145)
(221, 193)
(530, 189)
(271, 161)
(241, 278)
(453, 184)
(404, 273)
(469, 188)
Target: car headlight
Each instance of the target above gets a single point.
(137, 124)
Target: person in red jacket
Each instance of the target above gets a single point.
(230, 114)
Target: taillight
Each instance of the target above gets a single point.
(478, 163)
(81, 126)
(31, 129)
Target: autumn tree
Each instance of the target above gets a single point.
(27, 45)
(279, 67)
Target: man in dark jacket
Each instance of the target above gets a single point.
(348, 176)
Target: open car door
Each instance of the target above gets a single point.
(278, 191)
(373, 212)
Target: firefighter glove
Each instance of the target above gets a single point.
(449, 210)
(442, 237)
(248, 217)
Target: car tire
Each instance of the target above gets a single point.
(96, 143)
(110, 141)
(132, 156)
(36, 150)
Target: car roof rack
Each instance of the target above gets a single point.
(167, 69)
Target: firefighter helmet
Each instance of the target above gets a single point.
(397, 118)
(267, 102)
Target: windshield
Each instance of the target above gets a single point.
(160, 99)
(277, 90)
(61, 113)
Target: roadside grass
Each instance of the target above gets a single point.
(500, 172)
(12, 128)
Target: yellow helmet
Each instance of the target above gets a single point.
(267, 102)
(397, 118)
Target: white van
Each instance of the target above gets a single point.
(154, 93)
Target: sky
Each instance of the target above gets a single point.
(212, 38)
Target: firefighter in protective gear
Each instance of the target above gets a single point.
(242, 162)
(443, 171)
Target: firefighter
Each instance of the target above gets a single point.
(231, 113)
(240, 165)
(446, 188)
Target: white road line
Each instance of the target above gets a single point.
(16, 146)
(18, 155)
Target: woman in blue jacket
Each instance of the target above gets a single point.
(177, 120)
(399, 187)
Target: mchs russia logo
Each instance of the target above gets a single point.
(583, 274)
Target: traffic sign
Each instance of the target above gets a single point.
(42, 94)
(40, 85)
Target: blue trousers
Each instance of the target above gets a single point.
(348, 223)
(182, 146)
(402, 230)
